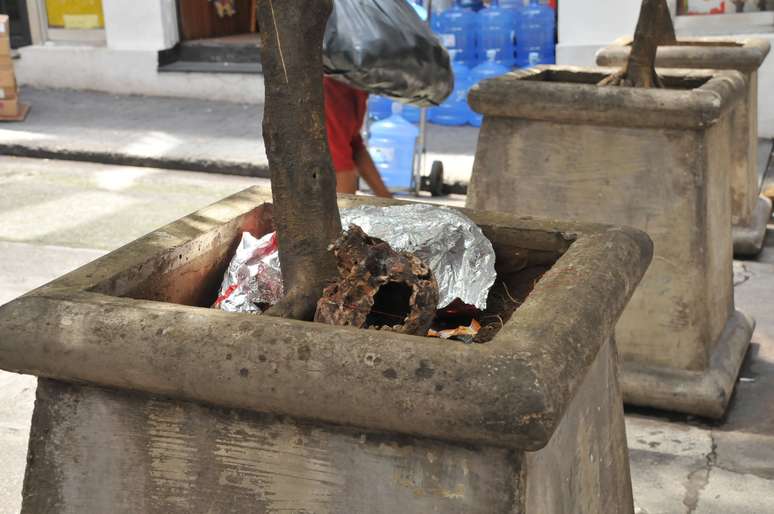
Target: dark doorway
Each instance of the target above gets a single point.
(20, 22)
(213, 40)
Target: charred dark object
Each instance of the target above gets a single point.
(378, 287)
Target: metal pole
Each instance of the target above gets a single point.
(419, 162)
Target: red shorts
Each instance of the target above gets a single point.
(345, 109)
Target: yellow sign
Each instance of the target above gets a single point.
(81, 21)
(75, 14)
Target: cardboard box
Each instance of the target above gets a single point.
(5, 47)
(7, 76)
(8, 92)
(5, 27)
(9, 108)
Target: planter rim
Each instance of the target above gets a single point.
(527, 94)
(746, 57)
(503, 393)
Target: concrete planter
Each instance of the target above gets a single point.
(206, 411)
(554, 144)
(750, 211)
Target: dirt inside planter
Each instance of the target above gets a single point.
(592, 78)
(191, 274)
(506, 295)
(706, 44)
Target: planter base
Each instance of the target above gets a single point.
(95, 450)
(703, 393)
(748, 240)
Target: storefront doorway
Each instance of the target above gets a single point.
(217, 36)
(20, 23)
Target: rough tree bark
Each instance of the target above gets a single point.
(654, 28)
(302, 178)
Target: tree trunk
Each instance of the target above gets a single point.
(654, 28)
(302, 178)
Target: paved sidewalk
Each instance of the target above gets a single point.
(174, 133)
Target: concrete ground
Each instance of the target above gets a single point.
(175, 133)
(57, 215)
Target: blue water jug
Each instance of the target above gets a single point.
(483, 71)
(496, 31)
(475, 5)
(379, 107)
(455, 110)
(411, 113)
(457, 28)
(391, 144)
(535, 27)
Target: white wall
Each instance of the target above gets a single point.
(140, 24)
(586, 26)
(128, 72)
(135, 31)
(596, 22)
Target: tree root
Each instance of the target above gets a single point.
(620, 79)
(297, 304)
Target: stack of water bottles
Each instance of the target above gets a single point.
(483, 42)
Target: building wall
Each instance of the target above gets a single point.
(585, 27)
(127, 62)
(128, 72)
(141, 24)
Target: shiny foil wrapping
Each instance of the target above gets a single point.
(460, 256)
(253, 278)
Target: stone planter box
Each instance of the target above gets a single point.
(153, 403)
(750, 211)
(554, 144)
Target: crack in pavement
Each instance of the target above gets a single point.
(698, 479)
(741, 273)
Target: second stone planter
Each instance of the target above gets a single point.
(750, 211)
(554, 144)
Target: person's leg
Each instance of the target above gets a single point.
(346, 182)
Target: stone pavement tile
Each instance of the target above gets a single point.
(177, 132)
(99, 206)
(667, 462)
(743, 452)
(767, 256)
(736, 493)
(658, 435)
(120, 128)
(745, 440)
(17, 395)
(24, 267)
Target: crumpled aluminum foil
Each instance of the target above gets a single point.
(253, 276)
(461, 257)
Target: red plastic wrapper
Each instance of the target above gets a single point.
(253, 280)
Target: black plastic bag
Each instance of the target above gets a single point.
(384, 48)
